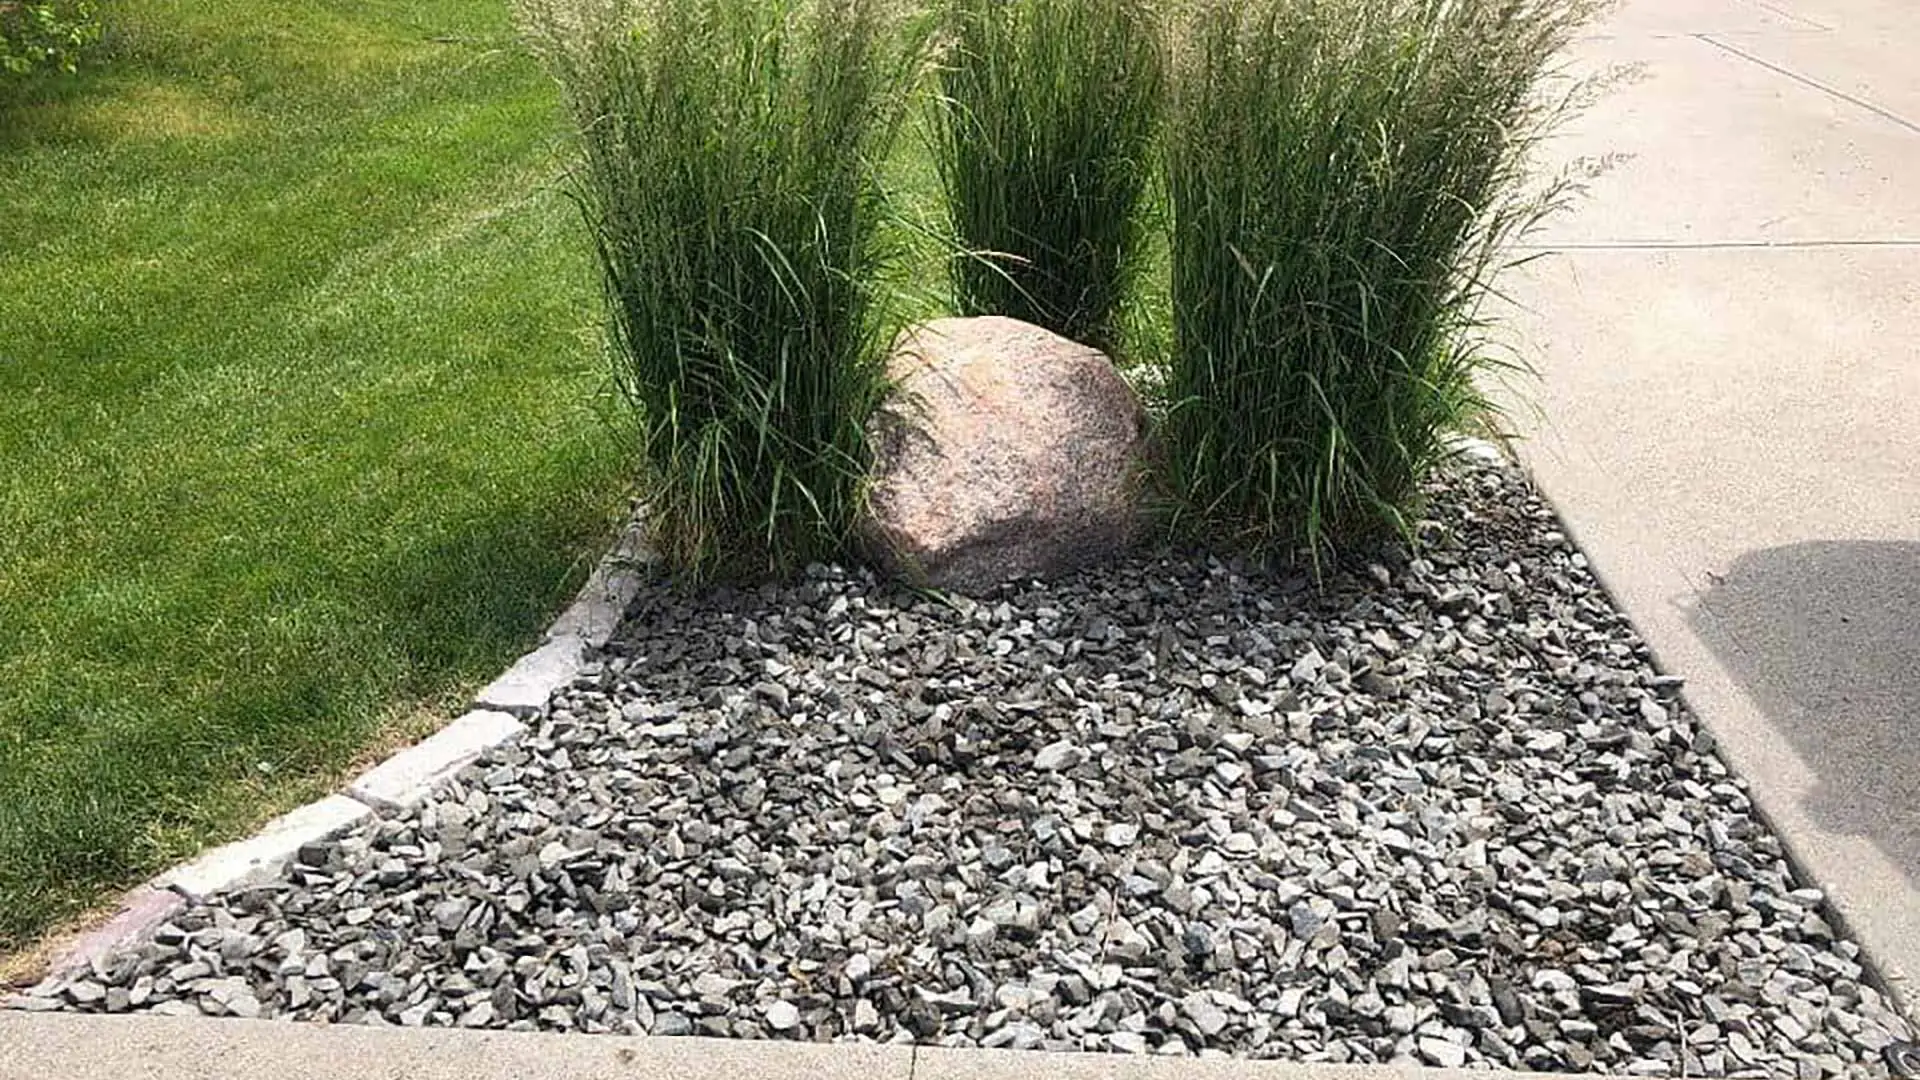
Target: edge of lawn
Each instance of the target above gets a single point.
(439, 539)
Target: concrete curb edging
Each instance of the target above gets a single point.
(602, 601)
(523, 689)
(260, 857)
(401, 782)
(404, 780)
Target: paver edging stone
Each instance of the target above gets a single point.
(524, 688)
(404, 780)
(259, 858)
(140, 911)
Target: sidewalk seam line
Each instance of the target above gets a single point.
(1785, 14)
(1813, 83)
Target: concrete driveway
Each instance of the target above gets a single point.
(1728, 338)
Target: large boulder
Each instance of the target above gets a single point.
(1007, 452)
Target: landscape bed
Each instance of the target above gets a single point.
(1438, 809)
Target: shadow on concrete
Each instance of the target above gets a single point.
(1825, 638)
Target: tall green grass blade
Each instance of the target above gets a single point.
(728, 178)
(1345, 177)
(1045, 143)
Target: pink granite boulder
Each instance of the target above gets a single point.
(1007, 452)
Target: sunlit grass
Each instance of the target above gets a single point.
(303, 408)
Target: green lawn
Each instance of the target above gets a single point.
(305, 424)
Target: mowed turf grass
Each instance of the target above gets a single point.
(305, 423)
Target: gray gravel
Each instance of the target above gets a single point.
(1442, 810)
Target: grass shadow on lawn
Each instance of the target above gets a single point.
(484, 591)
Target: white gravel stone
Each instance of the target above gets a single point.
(1442, 1052)
(1055, 757)
(783, 1016)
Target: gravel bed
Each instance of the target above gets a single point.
(1441, 810)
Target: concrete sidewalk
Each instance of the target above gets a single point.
(1730, 406)
(56, 1046)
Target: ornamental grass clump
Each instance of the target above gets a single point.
(1048, 113)
(728, 183)
(1345, 177)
